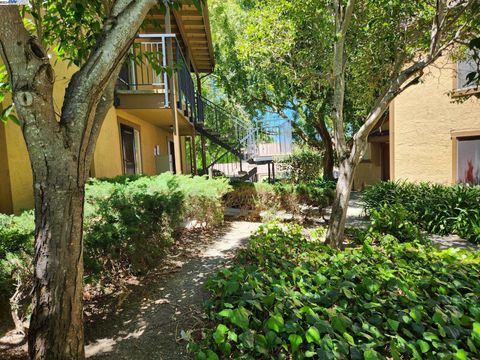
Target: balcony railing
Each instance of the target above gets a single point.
(149, 69)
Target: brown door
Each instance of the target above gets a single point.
(128, 149)
(385, 160)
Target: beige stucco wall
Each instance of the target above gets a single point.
(5, 189)
(21, 179)
(368, 171)
(150, 136)
(424, 117)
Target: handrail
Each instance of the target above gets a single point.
(229, 131)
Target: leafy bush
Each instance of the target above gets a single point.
(16, 247)
(437, 209)
(16, 270)
(394, 220)
(284, 195)
(291, 297)
(303, 165)
(254, 197)
(129, 221)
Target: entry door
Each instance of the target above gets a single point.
(129, 150)
(385, 157)
(171, 156)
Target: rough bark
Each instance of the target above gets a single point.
(340, 205)
(56, 327)
(328, 158)
(403, 77)
(60, 155)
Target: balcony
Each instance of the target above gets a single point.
(145, 85)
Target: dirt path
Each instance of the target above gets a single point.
(150, 320)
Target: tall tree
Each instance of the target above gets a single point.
(96, 36)
(350, 59)
(253, 44)
(398, 40)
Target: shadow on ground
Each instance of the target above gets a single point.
(149, 323)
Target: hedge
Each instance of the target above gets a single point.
(437, 209)
(129, 222)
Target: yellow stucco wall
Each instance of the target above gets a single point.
(5, 190)
(424, 117)
(21, 180)
(15, 172)
(368, 171)
(150, 136)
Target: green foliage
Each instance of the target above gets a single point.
(289, 297)
(303, 165)
(129, 221)
(16, 249)
(281, 195)
(394, 220)
(437, 209)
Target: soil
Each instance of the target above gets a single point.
(152, 316)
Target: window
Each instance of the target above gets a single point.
(464, 68)
(131, 150)
(468, 160)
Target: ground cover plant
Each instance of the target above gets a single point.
(129, 223)
(281, 195)
(288, 296)
(437, 209)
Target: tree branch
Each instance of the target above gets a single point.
(89, 83)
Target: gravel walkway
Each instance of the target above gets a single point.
(152, 319)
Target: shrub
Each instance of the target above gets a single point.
(129, 221)
(16, 252)
(16, 247)
(288, 297)
(254, 197)
(303, 165)
(396, 221)
(281, 195)
(437, 209)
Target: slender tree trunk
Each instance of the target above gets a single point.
(338, 217)
(56, 327)
(328, 159)
(328, 163)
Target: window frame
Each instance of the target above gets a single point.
(458, 135)
(459, 92)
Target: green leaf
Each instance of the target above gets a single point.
(275, 323)
(370, 355)
(219, 334)
(246, 339)
(424, 346)
(461, 355)
(261, 344)
(349, 338)
(312, 335)
(393, 324)
(295, 341)
(476, 330)
(416, 315)
(239, 317)
(340, 324)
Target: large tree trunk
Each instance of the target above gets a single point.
(338, 216)
(56, 326)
